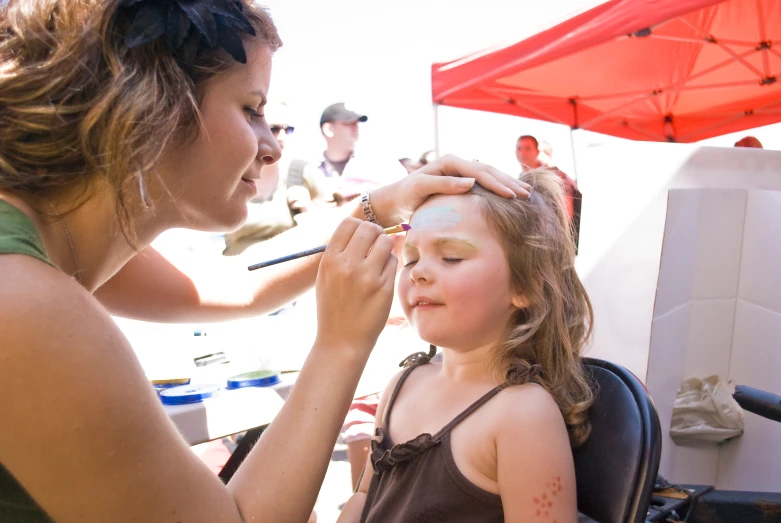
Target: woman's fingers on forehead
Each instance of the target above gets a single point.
(492, 184)
(511, 181)
(492, 178)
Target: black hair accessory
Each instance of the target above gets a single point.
(188, 26)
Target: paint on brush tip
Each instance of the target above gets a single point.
(435, 219)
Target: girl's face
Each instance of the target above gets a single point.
(455, 284)
(212, 177)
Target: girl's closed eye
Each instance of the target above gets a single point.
(451, 259)
(409, 263)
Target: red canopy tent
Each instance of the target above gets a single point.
(658, 70)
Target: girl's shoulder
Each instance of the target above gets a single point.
(407, 378)
(410, 377)
(529, 408)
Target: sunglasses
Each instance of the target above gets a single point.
(275, 129)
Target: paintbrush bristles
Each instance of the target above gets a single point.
(397, 229)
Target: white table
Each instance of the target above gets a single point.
(231, 412)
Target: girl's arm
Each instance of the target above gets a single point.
(535, 469)
(351, 512)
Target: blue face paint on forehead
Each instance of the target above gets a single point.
(435, 219)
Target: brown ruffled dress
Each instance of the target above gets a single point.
(419, 481)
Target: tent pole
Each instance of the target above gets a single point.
(436, 129)
(575, 125)
(572, 146)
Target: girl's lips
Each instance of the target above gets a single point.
(427, 306)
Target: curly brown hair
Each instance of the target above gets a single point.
(548, 335)
(77, 107)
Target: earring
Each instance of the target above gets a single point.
(145, 199)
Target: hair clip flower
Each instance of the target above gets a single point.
(187, 25)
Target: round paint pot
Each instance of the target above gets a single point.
(185, 394)
(168, 383)
(258, 378)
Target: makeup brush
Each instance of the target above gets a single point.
(390, 230)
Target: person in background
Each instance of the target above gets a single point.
(409, 164)
(749, 141)
(346, 172)
(527, 152)
(427, 157)
(285, 188)
(546, 155)
(533, 155)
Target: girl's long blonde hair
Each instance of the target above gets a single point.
(548, 335)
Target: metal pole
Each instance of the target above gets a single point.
(436, 129)
(572, 146)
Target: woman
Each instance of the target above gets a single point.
(121, 119)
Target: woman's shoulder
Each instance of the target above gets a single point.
(27, 278)
(38, 300)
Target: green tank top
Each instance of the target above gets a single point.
(18, 235)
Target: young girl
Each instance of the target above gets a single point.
(486, 434)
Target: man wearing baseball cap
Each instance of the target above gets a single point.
(340, 113)
(339, 126)
(347, 173)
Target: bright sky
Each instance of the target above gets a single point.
(377, 57)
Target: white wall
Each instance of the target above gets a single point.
(754, 461)
(625, 188)
(718, 311)
(692, 327)
(681, 256)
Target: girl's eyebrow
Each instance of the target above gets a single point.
(446, 241)
(458, 242)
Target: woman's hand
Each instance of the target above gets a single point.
(355, 286)
(395, 203)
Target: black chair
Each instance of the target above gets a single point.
(616, 468)
(758, 402)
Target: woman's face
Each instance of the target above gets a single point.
(212, 177)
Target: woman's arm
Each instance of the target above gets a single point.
(151, 288)
(90, 440)
(535, 469)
